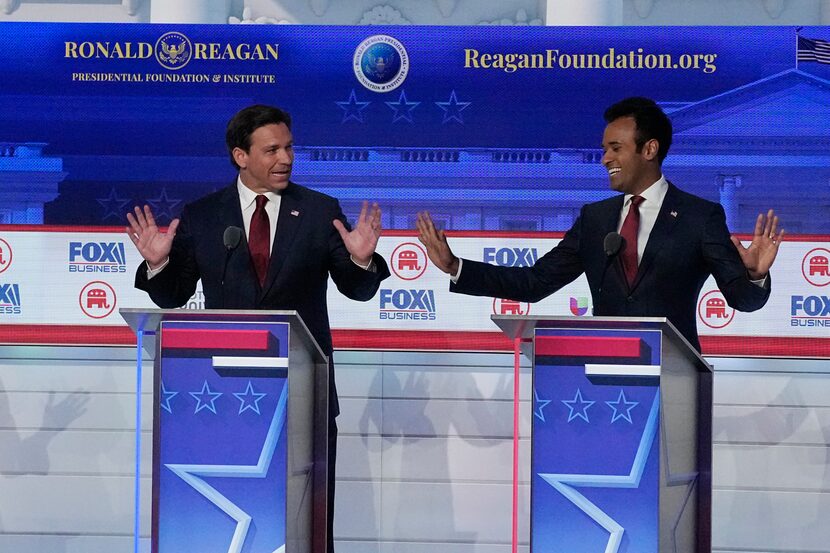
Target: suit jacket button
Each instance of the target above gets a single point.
(630, 299)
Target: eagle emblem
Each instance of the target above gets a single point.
(173, 50)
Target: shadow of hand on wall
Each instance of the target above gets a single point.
(57, 416)
(28, 454)
(745, 438)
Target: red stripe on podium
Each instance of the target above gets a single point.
(200, 338)
(421, 340)
(414, 340)
(588, 346)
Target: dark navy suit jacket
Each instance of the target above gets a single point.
(689, 242)
(307, 248)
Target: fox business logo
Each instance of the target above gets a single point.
(10, 299)
(97, 257)
(411, 305)
(810, 311)
(172, 50)
(510, 257)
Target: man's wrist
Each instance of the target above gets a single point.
(453, 267)
(366, 265)
(153, 271)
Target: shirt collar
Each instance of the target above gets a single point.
(248, 196)
(653, 195)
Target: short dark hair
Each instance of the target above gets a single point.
(247, 120)
(651, 122)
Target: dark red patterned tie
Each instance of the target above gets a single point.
(259, 239)
(629, 231)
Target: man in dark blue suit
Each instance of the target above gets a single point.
(672, 240)
(293, 239)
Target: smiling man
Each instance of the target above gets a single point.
(263, 242)
(645, 252)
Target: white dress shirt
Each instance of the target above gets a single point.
(653, 197)
(247, 200)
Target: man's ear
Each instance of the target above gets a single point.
(650, 149)
(240, 156)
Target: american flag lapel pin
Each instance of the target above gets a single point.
(295, 213)
(673, 214)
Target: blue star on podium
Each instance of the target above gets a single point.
(622, 408)
(166, 396)
(205, 398)
(566, 483)
(453, 108)
(578, 406)
(249, 399)
(193, 476)
(540, 404)
(402, 108)
(352, 109)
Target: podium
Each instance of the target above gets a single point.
(240, 425)
(621, 453)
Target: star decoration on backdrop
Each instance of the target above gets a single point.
(249, 399)
(205, 399)
(163, 206)
(352, 109)
(113, 206)
(578, 407)
(193, 475)
(540, 404)
(166, 397)
(453, 108)
(622, 408)
(402, 108)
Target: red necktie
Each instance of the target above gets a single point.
(629, 232)
(260, 238)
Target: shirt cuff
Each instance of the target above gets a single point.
(454, 278)
(371, 267)
(153, 272)
(762, 282)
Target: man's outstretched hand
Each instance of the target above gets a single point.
(363, 239)
(760, 255)
(438, 250)
(153, 245)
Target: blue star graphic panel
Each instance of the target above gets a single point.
(594, 462)
(220, 453)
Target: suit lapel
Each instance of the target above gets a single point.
(288, 221)
(231, 213)
(666, 221)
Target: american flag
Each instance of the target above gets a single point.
(813, 49)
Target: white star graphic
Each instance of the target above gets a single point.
(192, 473)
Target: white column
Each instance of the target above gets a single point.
(728, 186)
(189, 11)
(584, 12)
